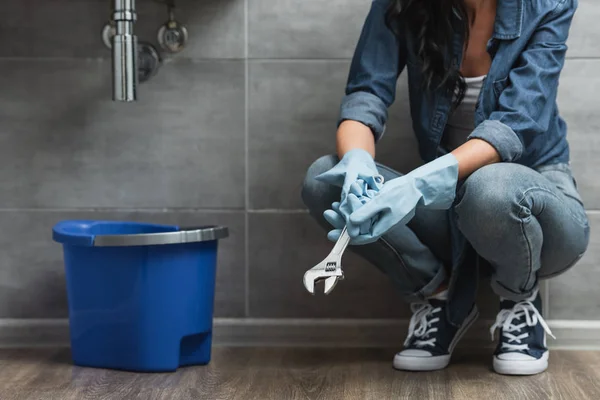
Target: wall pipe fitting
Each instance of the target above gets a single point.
(124, 52)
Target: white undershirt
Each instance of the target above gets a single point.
(462, 121)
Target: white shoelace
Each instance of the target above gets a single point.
(505, 320)
(421, 324)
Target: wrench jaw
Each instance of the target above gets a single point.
(330, 269)
(330, 284)
(309, 282)
(311, 277)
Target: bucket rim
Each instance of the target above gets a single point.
(185, 235)
(82, 233)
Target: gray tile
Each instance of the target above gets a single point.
(32, 283)
(293, 112)
(66, 144)
(66, 28)
(304, 29)
(583, 37)
(59, 28)
(283, 247)
(574, 295)
(216, 28)
(545, 294)
(579, 105)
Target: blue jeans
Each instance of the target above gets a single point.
(527, 224)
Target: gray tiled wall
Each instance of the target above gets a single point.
(223, 134)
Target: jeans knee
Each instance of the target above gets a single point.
(488, 198)
(314, 191)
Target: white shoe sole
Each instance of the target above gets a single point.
(511, 367)
(407, 363)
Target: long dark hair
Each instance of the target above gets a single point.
(433, 26)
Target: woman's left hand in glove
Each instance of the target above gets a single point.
(432, 185)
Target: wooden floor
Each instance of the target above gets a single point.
(282, 374)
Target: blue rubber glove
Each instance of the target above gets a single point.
(337, 216)
(337, 220)
(432, 185)
(356, 174)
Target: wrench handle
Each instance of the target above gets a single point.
(341, 244)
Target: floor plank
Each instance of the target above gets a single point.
(295, 374)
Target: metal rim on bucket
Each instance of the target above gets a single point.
(188, 235)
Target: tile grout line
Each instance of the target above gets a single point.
(159, 210)
(218, 59)
(179, 210)
(349, 58)
(279, 211)
(126, 210)
(246, 167)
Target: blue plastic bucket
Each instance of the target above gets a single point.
(140, 296)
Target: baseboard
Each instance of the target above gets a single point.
(34, 332)
(571, 334)
(377, 333)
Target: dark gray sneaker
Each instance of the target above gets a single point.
(522, 346)
(431, 338)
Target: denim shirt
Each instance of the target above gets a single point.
(516, 112)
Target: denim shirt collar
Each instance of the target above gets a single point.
(509, 19)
